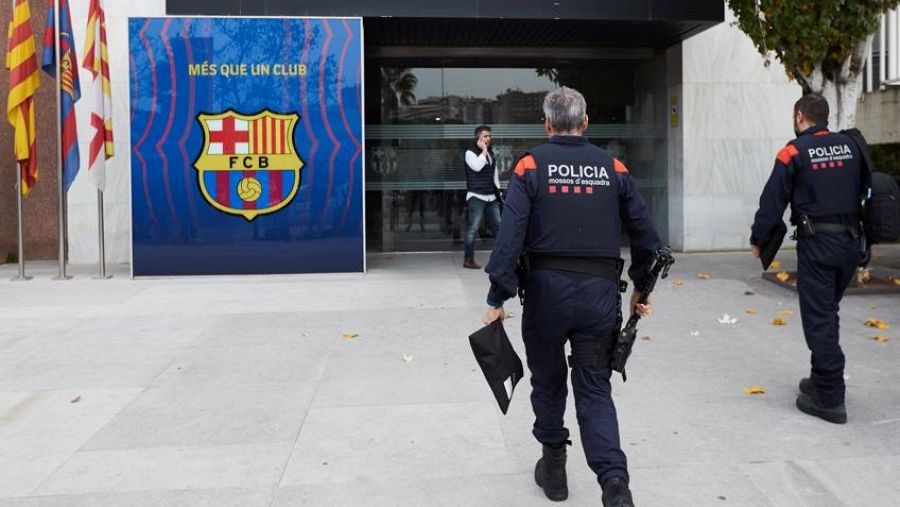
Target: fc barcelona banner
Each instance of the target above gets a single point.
(247, 143)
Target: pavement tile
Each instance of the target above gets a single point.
(172, 498)
(397, 442)
(169, 468)
(49, 422)
(207, 415)
(387, 379)
(870, 481)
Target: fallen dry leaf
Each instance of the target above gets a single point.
(749, 292)
(350, 336)
(779, 322)
(703, 276)
(880, 338)
(752, 311)
(894, 280)
(863, 276)
(406, 358)
(877, 324)
(786, 312)
(775, 265)
(695, 333)
(678, 282)
(646, 338)
(76, 400)
(783, 276)
(754, 390)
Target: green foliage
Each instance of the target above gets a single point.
(886, 158)
(806, 34)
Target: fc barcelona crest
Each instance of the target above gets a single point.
(249, 165)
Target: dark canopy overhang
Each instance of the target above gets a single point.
(655, 24)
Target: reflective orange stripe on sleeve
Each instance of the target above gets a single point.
(619, 166)
(526, 163)
(787, 153)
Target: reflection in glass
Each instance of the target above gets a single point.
(418, 134)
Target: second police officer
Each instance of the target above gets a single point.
(820, 175)
(566, 202)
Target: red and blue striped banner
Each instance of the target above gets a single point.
(69, 85)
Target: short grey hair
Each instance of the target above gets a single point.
(566, 108)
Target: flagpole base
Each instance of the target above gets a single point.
(21, 278)
(63, 277)
(101, 277)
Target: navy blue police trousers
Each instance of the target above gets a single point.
(560, 307)
(826, 264)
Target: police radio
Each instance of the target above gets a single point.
(662, 262)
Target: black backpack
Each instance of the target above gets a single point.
(881, 211)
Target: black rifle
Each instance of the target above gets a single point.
(624, 344)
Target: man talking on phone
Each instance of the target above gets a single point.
(482, 191)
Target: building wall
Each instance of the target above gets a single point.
(41, 217)
(675, 147)
(878, 116)
(735, 115)
(83, 244)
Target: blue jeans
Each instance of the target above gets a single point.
(476, 210)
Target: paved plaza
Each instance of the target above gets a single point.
(361, 390)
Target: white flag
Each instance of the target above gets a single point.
(96, 60)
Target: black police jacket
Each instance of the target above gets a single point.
(819, 174)
(569, 198)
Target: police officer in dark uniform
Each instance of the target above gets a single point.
(566, 202)
(819, 173)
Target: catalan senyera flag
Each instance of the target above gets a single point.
(21, 61)
(69, 87)
(96, 60)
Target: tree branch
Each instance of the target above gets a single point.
(801, 78)
(817, 79)
(854, 63)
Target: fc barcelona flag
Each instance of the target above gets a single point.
(23, 82)
(70, 88)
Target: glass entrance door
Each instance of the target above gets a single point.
(424, 118)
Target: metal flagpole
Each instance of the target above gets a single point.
(20, 226)
(98, 81)
(102, 275)
(20, 210)
(59, 155)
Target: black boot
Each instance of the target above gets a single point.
(807, 387)
(810, 405)
(550, 473)
(616, 493)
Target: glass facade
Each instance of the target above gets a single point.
(420, 120)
